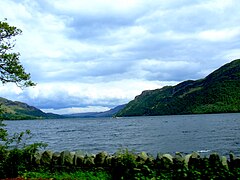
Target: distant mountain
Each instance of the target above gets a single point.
(219, 92)
(109, 113)
(13, 110)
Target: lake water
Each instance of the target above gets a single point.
(167, 134)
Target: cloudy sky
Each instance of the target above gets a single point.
(92, 55)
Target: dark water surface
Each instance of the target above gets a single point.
(168, 134)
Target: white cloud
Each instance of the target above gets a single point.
(10, 90)
(125, 89)
(96, 7)
(231, 54)
(102, 53)
(220, 34)
(80, 95)
(167, 70)
(13, 11)
(218, 5)
(74, 110)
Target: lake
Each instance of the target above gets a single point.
(167, 134)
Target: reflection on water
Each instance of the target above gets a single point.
(168, 134)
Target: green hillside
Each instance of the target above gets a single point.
(12, 110)
(219, 92)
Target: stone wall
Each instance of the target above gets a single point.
(67, 159)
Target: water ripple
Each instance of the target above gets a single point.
(187, 133)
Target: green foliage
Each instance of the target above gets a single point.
(3, 132)
(15, 154)
(217, 93)
(124, 164)
(10, 68)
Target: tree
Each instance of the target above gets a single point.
(11, 71)
(10, 68)
(12, 159)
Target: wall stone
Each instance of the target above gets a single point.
(56, 158)
(46, 158)
(164, 161)
(78, 159)
(37, 158)
(195, 161)
(178, 161)
(89, 160)
(142, 157)
(224, 161)
(186, 159)
(108, 160)
(100, 158)
(66, 158)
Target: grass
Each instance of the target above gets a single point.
(81, 174)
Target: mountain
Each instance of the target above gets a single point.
(109, 113)
(219, 92)
(12, 110)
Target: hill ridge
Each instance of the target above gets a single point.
(216, 93)
(16, 110)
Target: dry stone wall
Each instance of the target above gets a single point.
(67, 159)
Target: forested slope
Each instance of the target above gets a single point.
(219, 92)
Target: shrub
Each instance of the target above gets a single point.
(15, 154)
